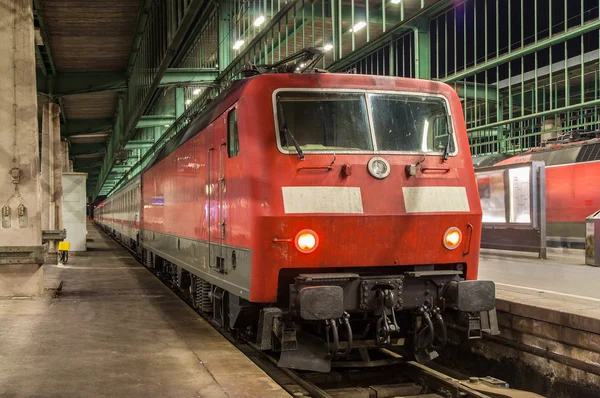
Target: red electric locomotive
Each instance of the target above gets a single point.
(572, 192)
(319, 212)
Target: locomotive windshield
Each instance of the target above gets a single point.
(325, 121)
(358, 121)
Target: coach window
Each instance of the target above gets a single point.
(233, 142)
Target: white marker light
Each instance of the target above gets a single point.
(259, 21)
(238, 44)
(328, 47)
(167, 125)
(196, 91)
(358, 26)
(396, 1)
(188, 101)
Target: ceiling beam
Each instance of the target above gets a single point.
(85, 126)
(80, 83)
(87, 149)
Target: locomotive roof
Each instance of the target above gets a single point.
(558, 154)
(212, 110)
(351, 81)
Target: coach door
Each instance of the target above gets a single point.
(216, 156)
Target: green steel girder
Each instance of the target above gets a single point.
(396, 31)
(523, 51)
(139, 30)
(549, 112)
(290, 34)
(422, 48)
(224, 36)
(91, 82)
(85, 126)
(178, 37)
(188, 76)
(81, 82)
(155, 121)
(138, 145)
(175, 40)
(477, 91)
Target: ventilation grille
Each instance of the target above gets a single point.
(589, 153)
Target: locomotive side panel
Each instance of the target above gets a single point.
(196, 209)
(572, 194)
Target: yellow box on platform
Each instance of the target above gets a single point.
(64, 246)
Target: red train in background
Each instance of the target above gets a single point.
(316, 213)
(572, 188)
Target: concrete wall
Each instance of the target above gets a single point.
(20, 272)
(74, 209)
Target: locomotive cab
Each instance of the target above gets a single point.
(378, 231)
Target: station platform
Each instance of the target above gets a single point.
(563, 273)
(106, 326)
(549, 317)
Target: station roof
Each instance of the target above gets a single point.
(80, 43)
(112, 65)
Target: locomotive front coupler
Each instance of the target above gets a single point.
(315, 297)
(475, 306)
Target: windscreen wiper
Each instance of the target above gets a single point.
(447, 148)
(283, 127)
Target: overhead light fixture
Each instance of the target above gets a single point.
(196, 91)
(238, 44)
(216, 65)
(188, 101)
(396, 1)
(259, 21)
(167, 125)
(328, 47)
(358, 26)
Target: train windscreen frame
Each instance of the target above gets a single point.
(363, 121)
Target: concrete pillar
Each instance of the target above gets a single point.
(52, 165)
(21, 251)
(65, 156)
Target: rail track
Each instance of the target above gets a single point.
(386, 374)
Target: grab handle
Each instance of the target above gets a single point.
(468, 246)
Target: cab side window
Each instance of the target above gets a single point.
(233, 143)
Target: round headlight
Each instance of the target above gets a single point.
(306, 241)
(379, 167)
(452, 238)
